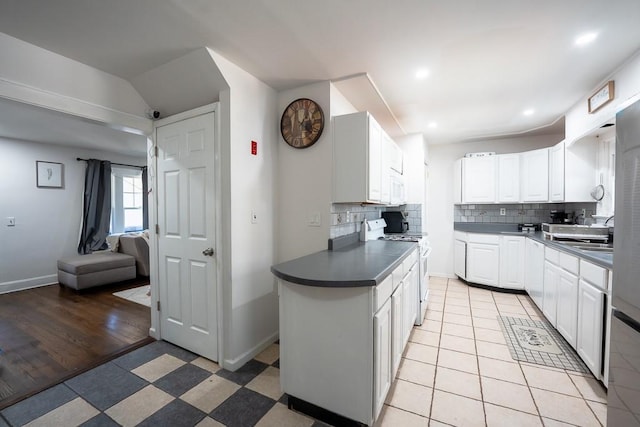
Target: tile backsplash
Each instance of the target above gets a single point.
(346, 218)
(519, 213)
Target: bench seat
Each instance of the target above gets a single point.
(100, 268)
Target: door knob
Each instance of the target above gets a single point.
(208, 252)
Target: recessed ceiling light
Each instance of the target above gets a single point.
(586, 38)
(529, 112)
(422, 73)
(432, 125)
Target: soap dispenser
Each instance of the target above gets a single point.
(363, 230)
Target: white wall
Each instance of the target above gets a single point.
(37, 76)
(579, 122)
(47, 220)
(440, 190)
(248, 184)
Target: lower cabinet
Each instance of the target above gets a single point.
(567, 313)
(490, 259)
(460, 254)
(512, 262)
(410, 306)
(382, 361)
(397, 322)
(590, 326)
(483, 259)
(534, 271)
(550, 292)
(349, 340)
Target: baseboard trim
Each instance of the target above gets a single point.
(238, 362)
(444, 275)
(34, 282)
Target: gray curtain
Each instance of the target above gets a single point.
(145, 199)
(97, 207)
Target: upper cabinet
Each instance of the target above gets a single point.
(364, 158)
(556, 173)
(580, 168)
(534, 176)
(396, 161)
(566, 172)
(508, 178)
(478, 179)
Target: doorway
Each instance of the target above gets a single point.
(186, 232)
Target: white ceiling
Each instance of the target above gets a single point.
(489, 60)
(29, 123)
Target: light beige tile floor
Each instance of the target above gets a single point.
(457, 370)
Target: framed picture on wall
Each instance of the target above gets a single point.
(49, 174)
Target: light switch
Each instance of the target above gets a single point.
(254, 217)
(11, 221)
(314, 219)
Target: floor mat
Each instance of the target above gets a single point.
(139, 295)
(536, 341)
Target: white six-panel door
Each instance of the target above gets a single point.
(186, 239)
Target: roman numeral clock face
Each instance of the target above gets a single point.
(302, 123)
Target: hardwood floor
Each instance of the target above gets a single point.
(52, 333)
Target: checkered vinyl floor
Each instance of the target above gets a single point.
(163, 385)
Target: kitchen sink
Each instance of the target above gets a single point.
(609, 250)
(590, 246)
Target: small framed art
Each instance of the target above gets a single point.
(49, 174)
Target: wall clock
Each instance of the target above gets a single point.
(302, 123)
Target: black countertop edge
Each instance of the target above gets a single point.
(486, 227)
(363, 264)
(323, 283)
(489, 228)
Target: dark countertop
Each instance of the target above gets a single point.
(603, 259)
(360, 264)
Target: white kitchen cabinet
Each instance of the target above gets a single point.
(396, 160)
(479, 179)
(580, 165)
(508, 178)
(534, 271)
(567, 312)
(388, 150)
(382, 360)
(483, 259)
(460, 257)
(590, 323)
(550, 291)
(534, 176)
(556, 173)
(512, 261)
(397, 324)
(361, 325)
(410, 306)
(560, 292)
(591, 307)
(357, 158)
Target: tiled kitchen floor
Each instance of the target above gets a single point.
(457, 371)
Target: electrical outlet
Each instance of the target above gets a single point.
(584, 213)
(503, 211)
